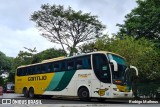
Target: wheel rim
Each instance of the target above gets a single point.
(84, 94)
(31, 93)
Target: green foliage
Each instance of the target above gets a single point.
(151, 65)
(140, 53)
(47, 54)
(5, 62)
(66, 26)
(87, 47)
(1, 81)
(23, 58)
(5, 65)
(149, 89)
(11, 77)
(143, 21)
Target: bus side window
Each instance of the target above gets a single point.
(19, 72)
(25, 72)
(63, 66)
(70, 64)
(87, 62)
(56, 67)
(33, 70)
(79, 63)
(38, 69)
(49, 67)
(29, 71)
(43, 68)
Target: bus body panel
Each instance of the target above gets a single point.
(38, 82)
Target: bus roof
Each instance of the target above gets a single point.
(63, 57)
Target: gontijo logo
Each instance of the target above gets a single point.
(37, 78)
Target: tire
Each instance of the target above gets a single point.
(25, 92)
(31, 93)
(83, 94)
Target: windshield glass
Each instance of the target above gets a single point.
(121, 67)
(118, 59)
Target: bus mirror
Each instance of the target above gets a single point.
(133, 67)
(115, 66)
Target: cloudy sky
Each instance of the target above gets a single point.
(17, 31)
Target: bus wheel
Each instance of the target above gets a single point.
(83, 93)
(31, 93)
(25, 92)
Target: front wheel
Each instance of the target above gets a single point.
(83, 94)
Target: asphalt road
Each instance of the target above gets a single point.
(17, 100)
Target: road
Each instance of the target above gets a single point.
(18, 100)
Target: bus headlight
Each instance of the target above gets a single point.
(116, 89)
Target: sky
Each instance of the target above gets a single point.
(18, 31)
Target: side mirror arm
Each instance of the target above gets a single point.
(114, 64)
(135, 69)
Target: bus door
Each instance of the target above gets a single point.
(102, 82)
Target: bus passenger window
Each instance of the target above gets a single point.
(25, 72)
(63, 66)
(70, 65)
(50, 68)
(43, 69)
(87, 62)
(56, 67)
(29, 71)
(33, 70)
(79, 64)
(19, 72)
(38, 69)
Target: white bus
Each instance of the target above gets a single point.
(98, 75)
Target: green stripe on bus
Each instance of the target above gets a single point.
(65, 80)
(55, 81)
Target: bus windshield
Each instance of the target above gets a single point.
(122, 66)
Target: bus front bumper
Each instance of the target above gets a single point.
(122, 94)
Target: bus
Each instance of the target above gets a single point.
(97, 75)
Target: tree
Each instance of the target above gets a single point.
(47, 54)
(5, 62)
(143, 21)
(87, 47)
(1, 81)
(66, 26)
(23, 58)
(5, 66)
(141, 53)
